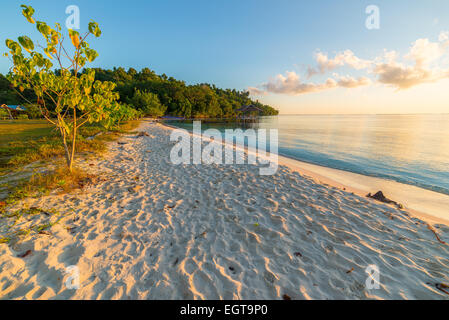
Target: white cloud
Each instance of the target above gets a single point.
(423, 63)
(444, 38)
(424, 52)
(256, 91)
(350, 82)
(346, 57)
(292, 84)
(403, 77)
(426, 56)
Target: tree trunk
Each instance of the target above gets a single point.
(67, 152)
(73, 141)
(10, 114)
(72, 155)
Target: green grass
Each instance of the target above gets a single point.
(23, 130)
(18, 137)
(26, 141)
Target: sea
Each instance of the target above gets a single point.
(411, 149)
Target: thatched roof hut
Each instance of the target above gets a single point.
(12, 109)
(249, 109)
(248, 113)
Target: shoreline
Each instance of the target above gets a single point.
(427, 205)
(410, 196)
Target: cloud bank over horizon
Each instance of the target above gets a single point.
(423, 63)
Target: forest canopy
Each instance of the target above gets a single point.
(158, 95)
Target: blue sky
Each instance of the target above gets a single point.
(239, 44)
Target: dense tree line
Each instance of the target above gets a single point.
(158, 95)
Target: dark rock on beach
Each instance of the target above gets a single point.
(379, 196)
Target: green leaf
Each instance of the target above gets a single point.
(43, 28)
(94, 29)
(28, 12)
(54, 37)
(91, 54)
(14, 46)
(81, 61)
(38, 59)
(91, 75)
(26, 43)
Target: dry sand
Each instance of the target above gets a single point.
(152, 230)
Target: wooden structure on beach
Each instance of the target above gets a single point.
(12, 110)
(249, 113)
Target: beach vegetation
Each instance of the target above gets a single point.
(201, 100)
(176, 98)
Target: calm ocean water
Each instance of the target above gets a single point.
(412, 149)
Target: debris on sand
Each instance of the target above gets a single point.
(435, 233)
(135, 189)
(28, 252)
(142, 134)
(442, 287)
(94, 136)
(88, 181)
(350, 270)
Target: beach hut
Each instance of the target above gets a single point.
(248, 113)
(12, 110)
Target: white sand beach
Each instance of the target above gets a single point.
(148, 229)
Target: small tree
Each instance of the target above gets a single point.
(76, 98)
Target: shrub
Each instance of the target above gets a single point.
(33, 111)
(148, 103)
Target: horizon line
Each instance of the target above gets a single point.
(360, 114)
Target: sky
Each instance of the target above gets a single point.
(301, 57)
